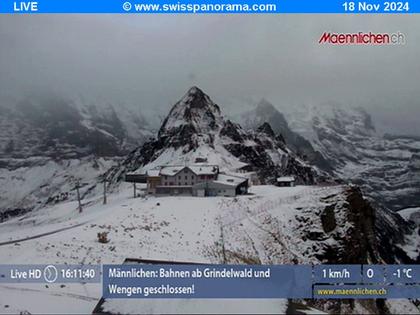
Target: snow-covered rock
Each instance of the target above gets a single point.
(386, 167)
(265, 112)
(195, 130)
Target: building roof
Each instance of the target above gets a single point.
(137, 172)
(285, 179)
(172, 170)
(153, 173)
(230, 180)
(204, 169)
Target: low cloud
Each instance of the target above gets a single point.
(149, 61)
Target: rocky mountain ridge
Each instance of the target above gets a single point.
(265, 112)
(387, 168)
(195, 129)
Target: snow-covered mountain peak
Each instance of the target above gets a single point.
(351, 121)
(195, 129)
(194, 112)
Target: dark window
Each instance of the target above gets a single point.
(186, 177)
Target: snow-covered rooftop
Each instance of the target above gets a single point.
(170, 170)
(153, 173)
(196, 169)
(204, 169)
(285, 179)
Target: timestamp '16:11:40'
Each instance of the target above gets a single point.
(78, 273)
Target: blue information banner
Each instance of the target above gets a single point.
(146, 280)
(210, 6)
(207, 281)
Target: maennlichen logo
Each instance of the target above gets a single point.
(362, 38)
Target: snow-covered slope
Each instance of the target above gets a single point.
(47, 144)
(303, 224)
(35, 182)
(195, 130)
(411, 214)
(387, 168)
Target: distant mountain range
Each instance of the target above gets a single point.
(62, 129)
(47, 145)
(266, 112)
(343, 142)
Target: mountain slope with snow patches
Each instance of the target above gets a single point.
(195, 130)
(49, 144)
(387, 168)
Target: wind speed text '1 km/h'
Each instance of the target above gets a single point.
(368, 7)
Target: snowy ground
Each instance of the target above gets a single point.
(412, 241)
(172, 228)
(412, 214)
(29, 183)
(155, 227)
(188, 229)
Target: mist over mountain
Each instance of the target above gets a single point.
(60, 128)
(50, 144)
(265, 112)
(386, 167)
(91, 56)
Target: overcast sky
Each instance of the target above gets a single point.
(150, 61)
